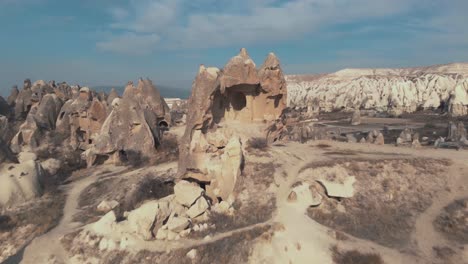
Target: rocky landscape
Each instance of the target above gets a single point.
(395, 91)
(358, 166)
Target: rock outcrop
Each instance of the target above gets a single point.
(132, 129)
(239, 94)
(458, 102)
(40, 118)
(20, 182)
(81, 119)
(356, 118)
(393, 90)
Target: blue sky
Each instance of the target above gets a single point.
(108, 42)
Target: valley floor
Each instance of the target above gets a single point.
(402, 196)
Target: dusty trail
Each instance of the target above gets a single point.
(42, 248)
(425, 234)
(300, 238)
(317, 239)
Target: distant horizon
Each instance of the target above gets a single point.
(110, 42)
(187, 89)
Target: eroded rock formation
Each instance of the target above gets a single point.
(393, 90)
(211, 152)
(132, 129)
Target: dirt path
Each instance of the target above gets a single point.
(301, 232)
(425, 234)
(41, 249)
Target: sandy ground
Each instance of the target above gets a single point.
(305, 241)
(297, 238)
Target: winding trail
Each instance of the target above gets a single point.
(48, 246)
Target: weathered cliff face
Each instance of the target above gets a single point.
(399, 90)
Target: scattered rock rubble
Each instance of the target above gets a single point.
(170, 218)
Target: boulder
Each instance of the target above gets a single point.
(106, 206)
(305, 196)
(186, 193)
(198, 208)
(221, 207)
(178, 223)
(51, 166)
(106, 225)
(20, 182)
(142, 219)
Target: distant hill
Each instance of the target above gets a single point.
(166, 91)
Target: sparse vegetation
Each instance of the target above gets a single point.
(452, 221)
(355, 257)
(258, 143)
(385, 204)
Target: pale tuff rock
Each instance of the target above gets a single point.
(51, 166)
(336, 180)
(198, 208)
(239, 93)
(112, 95)
(81, 119)
(106, 206)
(132, 129)
(393, 90)
(305, 196)
(13, 95)
(337, 189)
(456, 131)
(356, 118)
(458, 102)
(26, 156)
(375, 137)
(192, 254)
(222, 207)
(178, 223)
(20, 182)
(186, 193)
(142, 219)
(40, 118)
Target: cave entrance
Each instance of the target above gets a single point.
(238, 101)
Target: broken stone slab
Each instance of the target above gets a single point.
(106, 206)
(303, 195)
(198, 208)
(177, 223)
(142, 219)
(186, 193)
(337, 189)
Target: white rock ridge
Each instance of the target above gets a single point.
(382, 89)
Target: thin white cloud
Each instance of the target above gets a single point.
(182, 24)
(130, 43)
